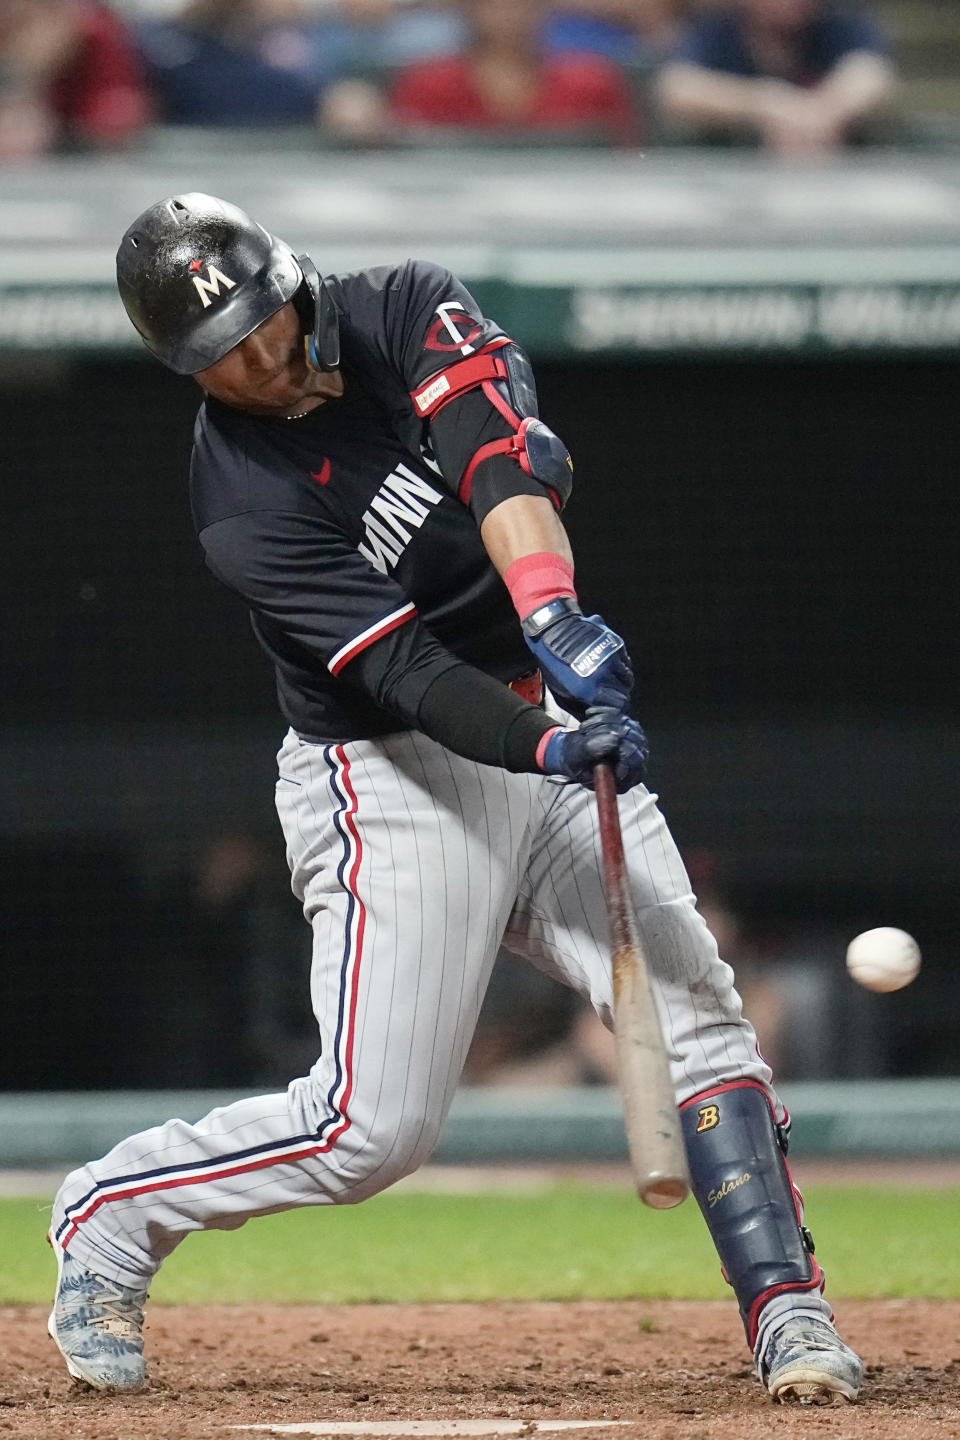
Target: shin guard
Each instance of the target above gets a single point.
(737, 1157)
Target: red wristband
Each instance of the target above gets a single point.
(544, 742)
(535, 580)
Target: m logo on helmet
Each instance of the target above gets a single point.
(209, 289)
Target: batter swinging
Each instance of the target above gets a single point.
(370, 476)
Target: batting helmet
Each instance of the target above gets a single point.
(197, 275)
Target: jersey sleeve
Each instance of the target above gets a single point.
(432, 322)
(309, 580)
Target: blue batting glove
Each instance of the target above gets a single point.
(583, 661)
(606, 734)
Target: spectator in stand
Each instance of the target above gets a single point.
(800, 76)
(69, 77)
(635, 33)
(504, 81)
(359, 46)
(372, 39)
(233, 62)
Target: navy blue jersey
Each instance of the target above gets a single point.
(345, 531)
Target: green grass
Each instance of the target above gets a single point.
(567, 1241)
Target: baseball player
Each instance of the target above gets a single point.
(370, 476)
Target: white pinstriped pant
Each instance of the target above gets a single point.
(413, 865)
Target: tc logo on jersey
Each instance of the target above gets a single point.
(209, 289)
(707, 1117)
(453, 330)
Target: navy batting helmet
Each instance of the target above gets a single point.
(197, 275)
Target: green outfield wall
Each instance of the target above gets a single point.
(891, 1119)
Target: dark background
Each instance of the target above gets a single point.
(778, 544)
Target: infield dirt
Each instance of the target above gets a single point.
(678, 1370)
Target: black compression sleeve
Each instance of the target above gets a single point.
(458, 432)
(411, 674)
(483, 719)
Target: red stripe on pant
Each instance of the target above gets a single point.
(224, 1172)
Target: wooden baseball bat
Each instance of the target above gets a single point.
(654, 1137)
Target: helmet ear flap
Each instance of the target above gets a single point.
(322, 341)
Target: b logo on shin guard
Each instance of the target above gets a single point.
(707, 1117)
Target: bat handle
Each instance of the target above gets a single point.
(610, 836)
(619, 908)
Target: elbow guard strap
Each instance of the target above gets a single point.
(737, 1158)
(440, 389)
(505, 378)
(540, 454)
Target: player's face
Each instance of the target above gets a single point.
(268, 374)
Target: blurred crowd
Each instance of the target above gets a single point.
(799, 77)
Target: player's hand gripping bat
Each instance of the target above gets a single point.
(654, 1137)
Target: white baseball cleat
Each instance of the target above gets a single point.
(805, 1360)
(98, 1327)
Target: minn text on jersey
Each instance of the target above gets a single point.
(403, 500)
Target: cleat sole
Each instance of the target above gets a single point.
(810, 1387)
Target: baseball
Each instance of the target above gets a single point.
(883, 959)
